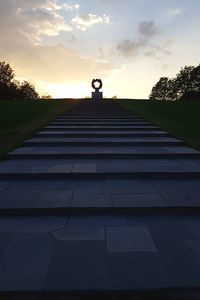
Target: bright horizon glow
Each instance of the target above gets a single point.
(60, 46)
(63, 91)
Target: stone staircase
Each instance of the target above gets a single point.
(100, 201)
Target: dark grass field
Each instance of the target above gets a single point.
(19, 120)
(182, 119)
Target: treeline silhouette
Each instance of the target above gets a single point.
(13, 89)
(185, 86)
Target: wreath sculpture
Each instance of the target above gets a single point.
(97, 81)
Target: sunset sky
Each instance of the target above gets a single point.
(60, 46)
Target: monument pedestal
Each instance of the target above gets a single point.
(97, 95)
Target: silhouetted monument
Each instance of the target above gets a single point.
(97, 95)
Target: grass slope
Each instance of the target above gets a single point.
(19, 120)
(182, 119)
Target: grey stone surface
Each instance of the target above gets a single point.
(178, 192)
(97, 220)
(8, 166)
(84, 168)
(138, 200)
(25, 263)
(29, 224)
(102, 132)
(91, 200)
(172, 191)
(108, 139)
(194, 226)
(79, 266)
(4, 241)
(117, 166)
(18, 199)
(54, 199)
(39, 170)
(4, 184)
(195, 246)
(90, 186)
(80, 234)
(60, 168)
(22, 150)
(191, 165)
(42, 185)
(129, 239)
(129, 186)
(182, 150)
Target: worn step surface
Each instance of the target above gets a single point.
(100, 200)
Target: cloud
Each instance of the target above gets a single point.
(31, 19)
(160, 50)
(58, 64)
(129, 48)
(70, 6)
(144, 43)
(20, 42)
(146, 31)
(83, 22)
(174, 12)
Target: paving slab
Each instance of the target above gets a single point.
(18, 199)
(25, 263)
(79, 266)
(54, 199)
(138, 200)
(97, 220)
(31, 224)
(4, 241)
(91, 200)
(129, 239)
(84, 168)
(80, 234)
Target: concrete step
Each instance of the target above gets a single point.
(108, 140)
(82, 216)
(127, 209)
(101, 121)
(106, 151)
(87, 195)
(94, 117)
(49, 155)
(164, 174)
(97, 123)
(102, 127)
(89, 141)
(101, 143)
(112, 134)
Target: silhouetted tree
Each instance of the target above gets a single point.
(13, 89)
(27, 91)
(195, 77)
(171, 93)
(159, 91)
(185, 86)
(183, 81)
(6, 84)
(6, 73)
